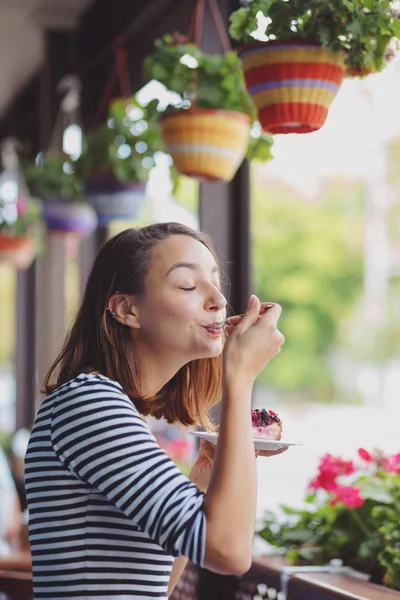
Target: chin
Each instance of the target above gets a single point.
(210, 351)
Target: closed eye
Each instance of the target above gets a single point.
(190, 289)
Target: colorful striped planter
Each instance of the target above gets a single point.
(65, 216)
(18, 251)
(292, 83)
(115, 200)
(207, 144)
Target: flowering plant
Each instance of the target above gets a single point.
(20, 218)
(52, 177)
(122, 146)
(352, 513)
(363, 29)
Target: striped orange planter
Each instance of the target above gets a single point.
(207, 144)
(292, 83)
(18, 251)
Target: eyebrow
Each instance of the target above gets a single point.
(188, 265)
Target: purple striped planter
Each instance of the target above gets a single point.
(115, 200)
(65, 216)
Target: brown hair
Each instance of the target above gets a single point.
(99, 343)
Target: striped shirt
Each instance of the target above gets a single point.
(108, 510)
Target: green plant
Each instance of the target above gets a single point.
(259, 148)
(389, 555)
(23, 219)
(301, 247)
(195, 78)
(363, 29)
(124, 146)
(352, 513)
(52, 177)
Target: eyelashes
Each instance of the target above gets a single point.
(190, 289)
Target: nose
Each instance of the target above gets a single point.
(216, 301)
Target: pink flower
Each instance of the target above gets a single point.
(336, 465)
(349, 495)
(324, 481)
(22, 206)
(392, 464)
(365, 455)
(330, 468)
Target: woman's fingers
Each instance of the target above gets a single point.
(207, 449)
(251, 315)
(272, 452)
(264, 307)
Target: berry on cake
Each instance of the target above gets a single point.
(266, 424)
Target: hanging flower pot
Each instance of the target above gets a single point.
(65, 216)
(113, 199)
(208, 118)
(18, 251)
(292, 83)
(64, 207)
(207, 144)
(294, 76)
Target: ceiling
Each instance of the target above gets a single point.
(21, 26)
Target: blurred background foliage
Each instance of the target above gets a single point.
(308, 256)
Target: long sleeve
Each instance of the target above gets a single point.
(98, 434)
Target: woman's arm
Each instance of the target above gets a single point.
(100, 437)
(230, 502)
(177, 569)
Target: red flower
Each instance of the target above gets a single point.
(350, 496)
(336, 465)
(330, 468)
(365, 455)
(22, 206)
(392, 464)
(324, 481)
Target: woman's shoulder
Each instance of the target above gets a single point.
(89, 387)
(87, 380)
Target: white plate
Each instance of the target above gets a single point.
(259, 444)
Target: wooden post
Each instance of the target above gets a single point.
(88, 252)
(225, 216)
(225, 208)
(25, 347)
(60, 59)
(50, 304)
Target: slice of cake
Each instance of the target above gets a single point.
(266, 424)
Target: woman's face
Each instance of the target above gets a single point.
(182, 302)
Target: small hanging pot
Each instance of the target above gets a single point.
(207, 144)
(115, 200)
(18, 251)
(65, 216)
(292, 83)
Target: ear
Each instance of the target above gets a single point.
(122, 308)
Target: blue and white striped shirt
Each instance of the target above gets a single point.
(108, 510)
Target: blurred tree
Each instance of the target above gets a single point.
(308, 256)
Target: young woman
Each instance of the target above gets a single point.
(108, 509)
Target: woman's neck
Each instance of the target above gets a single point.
(155, 372)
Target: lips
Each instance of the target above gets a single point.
(215, 327)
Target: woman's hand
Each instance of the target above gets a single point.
(253, 339)
(201, 471)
